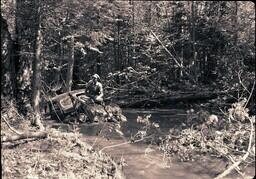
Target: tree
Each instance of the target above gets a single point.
(71, 62)
(36, 68)
(9, 26)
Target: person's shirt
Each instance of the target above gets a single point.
(94, 89)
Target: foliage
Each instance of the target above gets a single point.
(213, 40)
(48, 158)
(219, 138)
(116, 35)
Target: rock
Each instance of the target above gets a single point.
(110, 112)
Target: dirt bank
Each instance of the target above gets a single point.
(60, 155)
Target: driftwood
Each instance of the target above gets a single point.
(28, 135)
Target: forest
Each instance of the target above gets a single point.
(197, 57)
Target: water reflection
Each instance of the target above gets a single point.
(165, 118)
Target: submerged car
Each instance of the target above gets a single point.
(64, 104)
(73, 103)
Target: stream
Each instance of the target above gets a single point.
(143, 160)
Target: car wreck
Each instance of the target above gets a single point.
(77, 104)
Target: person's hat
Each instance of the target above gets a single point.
(96, 76)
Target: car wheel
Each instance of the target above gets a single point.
(56, 113)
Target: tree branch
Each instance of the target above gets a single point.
(124, 143)
(166, 49)
(236, 164)
(14, 130)
(250, 94)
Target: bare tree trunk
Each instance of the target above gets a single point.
(128, 51)
(182, 52)
(149, 13)
(235, 22)
(133, 29)
(118, 45)
(15, 56)
(6, 56)
(60, 60)
(70, 66)
(36, 78)
(12, 56)
(14, 65)
(115, 54)
(235, 25)
(193, 37)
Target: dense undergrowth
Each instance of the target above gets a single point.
(230, 137)
(60, 155)
(145, 87)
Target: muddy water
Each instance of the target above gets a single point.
(143, 160)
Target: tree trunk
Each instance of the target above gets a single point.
(60, 60)
(70, 66)
(36, 78)
(149, 14)
(128, 51)
(14, 65)
(37, 135)
(115, 54)
(235, 22)
(133, 29)
(12, 57)
(194, 63)
(235, 25)
(182, 51)
(118, 45)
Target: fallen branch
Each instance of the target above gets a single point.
(15, 111)
(172, 56)
(124, 143)
(12, 129)
(250, 95)
(236, 164)
(240, 81)
(166, 49)
(38, 135)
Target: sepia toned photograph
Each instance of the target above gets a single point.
(127, 89)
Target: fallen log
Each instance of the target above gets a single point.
(167, 99)
(190, 97)
(27, 135)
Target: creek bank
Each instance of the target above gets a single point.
(143, 159)
(60, 155)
